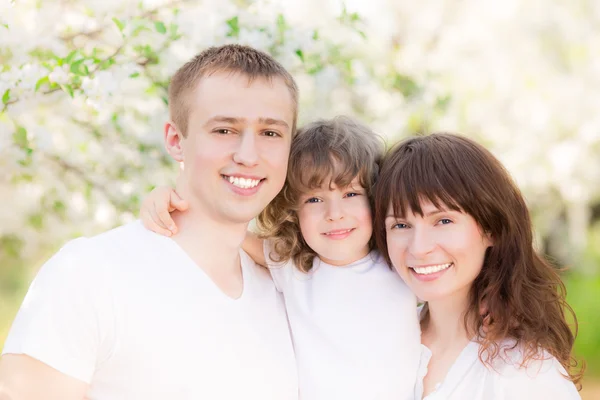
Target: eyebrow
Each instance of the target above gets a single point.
(429, 214)
(273, 121)
(235, 120)
(435, 212)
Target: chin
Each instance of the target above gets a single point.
(237, 217)
(429, 296)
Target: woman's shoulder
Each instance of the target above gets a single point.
(541, 376)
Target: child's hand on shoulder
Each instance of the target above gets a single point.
(156, 209)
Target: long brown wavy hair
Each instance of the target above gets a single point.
(517, 295)
(325, 152)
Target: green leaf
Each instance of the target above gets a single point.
(173, 32)
(20, 138)
(134, 75)
(281, 24)
(79, 68)
(406, 85)
(105, 64)
(70, 57)
(160, 27)
(5, 25)
(120, 24)
(355, 17)
(68, 89)
(36, 221)
(76, 66)
(138, 29)
(6, 96)
(234, 27)
(300, 54)
(442, 103)
(40, 82)
(59, 207)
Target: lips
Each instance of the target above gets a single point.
(338, 232)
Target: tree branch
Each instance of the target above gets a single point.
(81, 175)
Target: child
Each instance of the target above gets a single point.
(353, 320)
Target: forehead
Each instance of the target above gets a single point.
(236, 95)
(425, 206)
(329, 184)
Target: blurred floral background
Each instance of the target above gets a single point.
(83, 101)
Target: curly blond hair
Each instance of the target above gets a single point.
(333, 152)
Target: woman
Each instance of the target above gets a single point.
(454, 225)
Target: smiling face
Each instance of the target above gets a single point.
(237, 145)
(336, 222)
(438, 254)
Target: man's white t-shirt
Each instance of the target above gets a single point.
(506, 379)
(131, 314)
(355, 329)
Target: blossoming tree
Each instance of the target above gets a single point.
(83, 94)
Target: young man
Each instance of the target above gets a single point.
(113, 317)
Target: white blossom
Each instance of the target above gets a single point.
(523, 80)
(60, 74)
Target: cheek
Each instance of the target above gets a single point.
(307, 222)
(276, 154)
(204, 151)
(362, 212)
(396, 253)
(275, 164)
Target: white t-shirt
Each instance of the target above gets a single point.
(130, 313)
(355, 329)
(469, 378)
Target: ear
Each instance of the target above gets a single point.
(173, 141)
(488, 239)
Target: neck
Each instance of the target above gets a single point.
(213, 244)
(445, 325)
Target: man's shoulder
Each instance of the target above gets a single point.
(124, 234)
(88, 252)
(128, 236)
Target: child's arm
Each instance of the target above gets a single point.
(155, 215)
(156, 209)
(253, 245)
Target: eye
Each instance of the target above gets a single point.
(399, 225)
(313, 200)
(352, 194)
(223, 131)
(271, 134)
(444, 221)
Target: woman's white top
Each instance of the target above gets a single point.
(469, 378)
(355, 329)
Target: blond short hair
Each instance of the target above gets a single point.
(229, 58)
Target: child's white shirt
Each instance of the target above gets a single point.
(355, 329)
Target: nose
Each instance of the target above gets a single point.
(246, 152)
(421, 243)
(335, 210)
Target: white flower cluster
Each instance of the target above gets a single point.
(91, 131)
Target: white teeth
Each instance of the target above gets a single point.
(243, 183)
(431, 269)
(338, 232)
